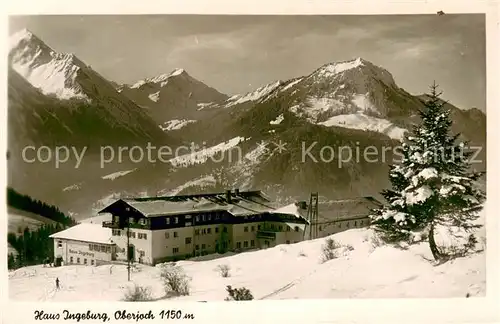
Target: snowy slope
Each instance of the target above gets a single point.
(369, 123)
(367, 271)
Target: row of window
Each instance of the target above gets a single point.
(347, 225)
(272, 227)
(131, 234)
(78, 261)
(245, 244)
(99, 248)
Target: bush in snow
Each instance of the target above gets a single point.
(329, 250)
(302, 254)
(238, 294)
(432, 186)
(455, 250)
(175, 280)
(223, 269)
(137, 294)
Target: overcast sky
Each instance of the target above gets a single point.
(236, 54)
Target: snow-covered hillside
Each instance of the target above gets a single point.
(283, 272)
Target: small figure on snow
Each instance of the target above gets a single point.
(57, 283)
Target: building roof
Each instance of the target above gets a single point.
(86, 232)
(344, 209)
(240, 204)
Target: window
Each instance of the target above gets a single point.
(296, 228)
(145, 236)
(224, 229)
(116, 232)
(347, 224)
(85, 261)
(238, 245)
(252, 243)
(131, 220)
(203, 217)
(204, 231)
(197, 247)
(197, 218)
(103, 248)
(116, 219)
(252, 228)
(245, 229)
(288, 228)
(245, 244)
(92, 262)
(216, 230)
(142, 253)
(167, 235)
(209, 230)
(91, 247)
(175, 234)
(258, 227)
(209, 217)
(188, 224)
(175, 250)
(108, 249)
(77, 260)
(59, 244)
(71, 260)
(280, 228)
(320, 229)
(355, 223)
(203, 246)
(287, 242)
(197, 232)
(188, 240)
(141, 221)
(216, 216)
(361, 223)
(176, 220)
(167, 220)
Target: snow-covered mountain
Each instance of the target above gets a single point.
(88, 104)
(171, 96)
(353, 104)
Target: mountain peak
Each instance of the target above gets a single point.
(162, 78)
(20, 36)
(355, 68)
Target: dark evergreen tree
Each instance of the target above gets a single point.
(433, 184)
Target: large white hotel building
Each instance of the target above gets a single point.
(159, 229)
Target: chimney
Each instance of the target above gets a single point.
(302, 204)
(228, 196)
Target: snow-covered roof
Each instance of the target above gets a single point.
(86, 232)
(292, 209)
(244, 203)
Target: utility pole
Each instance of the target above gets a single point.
(128, 242)
(128, 247)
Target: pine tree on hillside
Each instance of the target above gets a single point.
(432, 185)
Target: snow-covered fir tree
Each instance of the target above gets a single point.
(433, 184)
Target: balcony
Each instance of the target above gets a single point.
(266, 234)
(111, 225)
